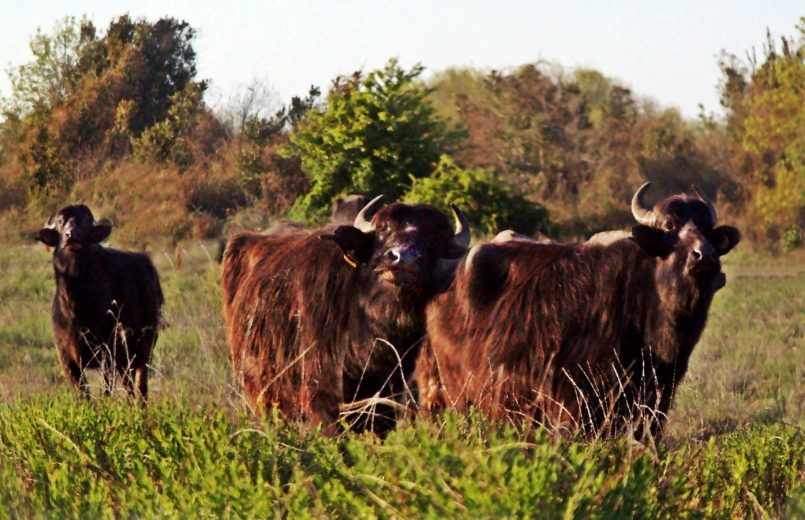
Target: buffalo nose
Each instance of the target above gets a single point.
(703, 251)
(401, 255)
(393, 256)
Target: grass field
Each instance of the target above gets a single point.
(735, 445)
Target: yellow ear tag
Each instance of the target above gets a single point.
(351, 262)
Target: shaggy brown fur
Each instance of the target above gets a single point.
(315, 324)
(592, 337)
(107, 307)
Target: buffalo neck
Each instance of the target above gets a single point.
(76, 270)
(393, 313)
(673, 307)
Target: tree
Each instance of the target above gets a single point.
(253, 100)
(766, 118)
(566, 140)
(261, 169)
(167, 139)
(375, 135)
(86, 94)
(53, 74)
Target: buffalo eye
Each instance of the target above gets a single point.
(669, 226)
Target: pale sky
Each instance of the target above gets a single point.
(665, 50)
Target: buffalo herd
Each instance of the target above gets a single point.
(386, 310)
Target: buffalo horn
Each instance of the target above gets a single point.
(462, 236)
(703, 198)
(363, 221)
(642, 214)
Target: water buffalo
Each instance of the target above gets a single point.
(321, 320)
(108, 303)
(591, 337)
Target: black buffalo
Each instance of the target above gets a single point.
(108, 303)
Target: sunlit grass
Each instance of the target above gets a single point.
(749, 366)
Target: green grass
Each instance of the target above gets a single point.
(735, 444)
(83, 459)
(749, 366)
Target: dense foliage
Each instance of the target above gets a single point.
(107, 116)
(767, 124)
(376, 134)
(489, 204)
(576, 142)
(85, 93)
(106, 460)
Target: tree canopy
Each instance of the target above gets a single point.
(375, 134)
(766, 121)
(117, 116)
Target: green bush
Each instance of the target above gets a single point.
(792, 238)
(66, 458)
(167, 139)
(376, 134)
(489, 205)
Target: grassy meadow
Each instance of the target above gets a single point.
(735, 445)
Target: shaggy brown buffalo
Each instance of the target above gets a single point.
(594, 336)
(318, 321)
(108, 303)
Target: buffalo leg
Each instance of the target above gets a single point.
(76, 376)
(369, 398)
(128, 380)
(323, 411)
(136, 381)
(141, 383)
(73, 372)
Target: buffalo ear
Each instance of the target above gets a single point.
(354, 243)
(99, 233)
(455, 251)
(487, 270)
(724, 238)
(651, 240)
(48, 236)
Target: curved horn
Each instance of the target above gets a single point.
(643, 214)
(49, 223)
(703, 198)
(363, 221)
(461, 237)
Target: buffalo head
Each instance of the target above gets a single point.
(682, 231)
(72, 229)
(403, 245)
(345, 209)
